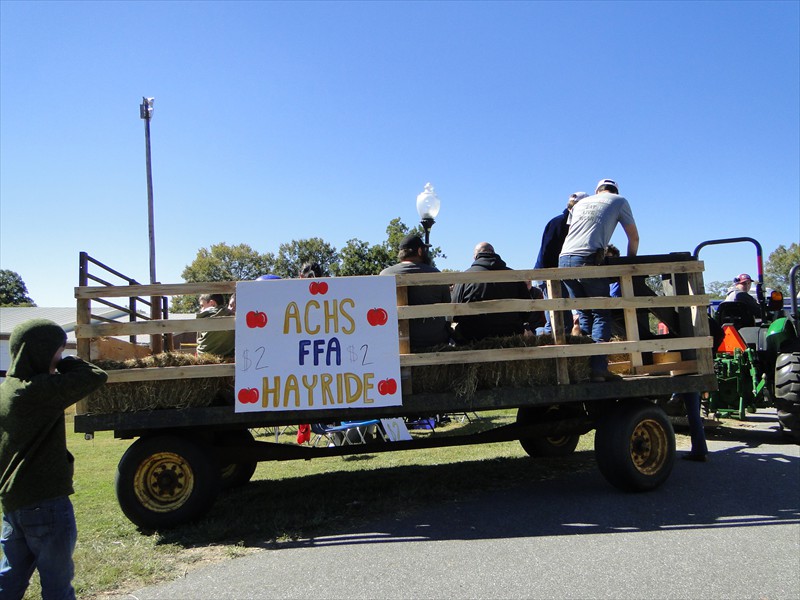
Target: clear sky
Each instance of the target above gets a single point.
(278, 121)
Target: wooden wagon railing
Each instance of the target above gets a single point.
(683, 273)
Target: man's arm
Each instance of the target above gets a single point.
(633, 238)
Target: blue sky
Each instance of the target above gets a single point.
(280, 121)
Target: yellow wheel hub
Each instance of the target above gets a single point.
(649, 447)
(163, 482)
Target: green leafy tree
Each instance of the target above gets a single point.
(776, 271)
(291, 256)
(718, 289)
(13, 291)
(397, 230)
(221, 262)
(360, 258)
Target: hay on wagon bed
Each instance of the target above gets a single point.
(152, 395)
(465, 379)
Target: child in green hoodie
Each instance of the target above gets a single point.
(36, 468)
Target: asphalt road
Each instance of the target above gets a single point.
(729, 528)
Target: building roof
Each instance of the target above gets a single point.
(11, 316)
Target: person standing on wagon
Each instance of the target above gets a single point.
(39, 531)
(592, 224)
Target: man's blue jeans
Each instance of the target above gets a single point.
(41, 536)
(596, 322)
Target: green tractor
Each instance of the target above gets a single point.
(758, 362)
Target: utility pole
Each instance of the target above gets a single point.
(146, 113)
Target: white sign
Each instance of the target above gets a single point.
(311, 344)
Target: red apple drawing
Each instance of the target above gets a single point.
(318, 287)
(377, 317)
(387, 387)
(256, 319)
(248, 395)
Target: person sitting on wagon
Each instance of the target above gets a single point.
(220, 343)
(477, 327)
(414, 258)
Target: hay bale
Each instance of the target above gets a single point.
(465, 379)
(153, 395)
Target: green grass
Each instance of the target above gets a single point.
(285, 500)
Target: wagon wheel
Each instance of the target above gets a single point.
(548, 447)
(236, 474)
(635, 447)
(163, 481)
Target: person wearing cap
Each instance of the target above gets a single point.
(741, 293)
(592, 223)
(476, 327)
(555, 232)
(414, 258)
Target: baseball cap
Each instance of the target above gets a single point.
(412, 242)
(603, 182)
(742, 278)
(578, 196)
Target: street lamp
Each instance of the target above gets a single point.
(428, 209)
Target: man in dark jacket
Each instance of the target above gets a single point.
(36, 468)
(476, 327)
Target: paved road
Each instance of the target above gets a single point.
(729, 528)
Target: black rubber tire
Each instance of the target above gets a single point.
(546, 447)
(164, 481)
(787, 377)
(236, 474)
(635, 447)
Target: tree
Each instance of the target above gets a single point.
(776, 271)
(718, 289)
(291, 256)
(221, 263)
(13, 291)
(360, 258)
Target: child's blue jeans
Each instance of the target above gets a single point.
(41, 536)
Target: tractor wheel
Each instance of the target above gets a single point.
(546, 447)
(236, 474)
(787, 391)
(635, 447)
(163, 481)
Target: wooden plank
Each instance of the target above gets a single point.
(421, 311)
(164, 373)
(559, 333)
(540, 352)
(606, 271)
(404, 331)
(631, 322)
(161, 289)
(84, 315)
(705, 356)
(228, 287)
(684, 365)
(155, 327)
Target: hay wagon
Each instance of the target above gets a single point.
(187, 451)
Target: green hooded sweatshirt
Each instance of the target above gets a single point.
(35, 464)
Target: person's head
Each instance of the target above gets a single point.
(608, 186)
(207, 300)
(412, 249)
(310, 270)
(36, 347)
(743, 282)
(232, 303)
(574, 198)
(612, 250)
(483, 248)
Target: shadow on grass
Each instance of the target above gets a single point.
(499, 498)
